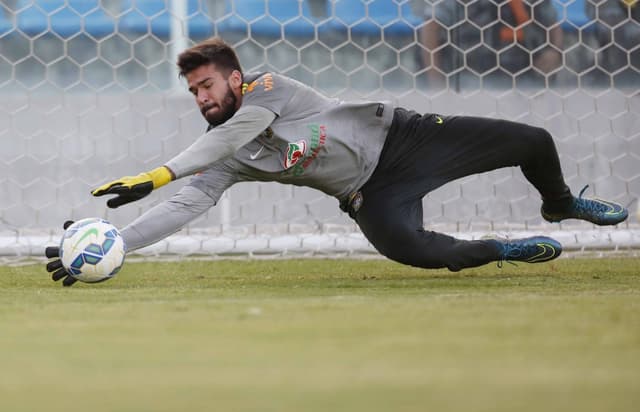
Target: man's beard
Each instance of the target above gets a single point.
(224, 113)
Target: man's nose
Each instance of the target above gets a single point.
(202, 97)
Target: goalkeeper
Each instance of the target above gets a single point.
(378, 160)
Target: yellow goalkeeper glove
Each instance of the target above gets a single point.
(132, 188)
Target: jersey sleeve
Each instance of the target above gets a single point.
(222, 141)
(268, 90)
(215, 180)
(166, 218)
(195, 198)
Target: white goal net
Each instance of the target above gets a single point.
(89, 93)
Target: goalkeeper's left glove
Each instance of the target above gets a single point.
(132, 188)
(55, 266)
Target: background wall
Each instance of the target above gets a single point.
(88, 94)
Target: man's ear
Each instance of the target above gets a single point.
(235, 79)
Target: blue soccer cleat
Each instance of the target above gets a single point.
(598, 211)
(534, 249)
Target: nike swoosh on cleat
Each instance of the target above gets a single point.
(439, 120)
(547, 253)
(614, 208)
(255, 155)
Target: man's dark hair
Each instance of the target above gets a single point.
(212, 51)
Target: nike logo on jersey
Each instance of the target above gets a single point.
(255, 155)
(439, 120)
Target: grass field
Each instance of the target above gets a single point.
(324, 335)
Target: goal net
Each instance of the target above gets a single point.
(89, 93)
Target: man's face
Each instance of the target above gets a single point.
(214, 93)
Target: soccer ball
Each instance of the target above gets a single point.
(92, 250)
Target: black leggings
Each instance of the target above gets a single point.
(424, 152)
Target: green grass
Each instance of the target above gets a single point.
(324, 335)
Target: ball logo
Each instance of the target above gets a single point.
(295, 152)
(93, 231)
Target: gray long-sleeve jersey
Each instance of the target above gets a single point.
(284, 132)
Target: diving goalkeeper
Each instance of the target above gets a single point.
(377, 160)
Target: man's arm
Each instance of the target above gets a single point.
(221, 142)
(158, 223)
(430, 35)
(166, 218)
(191, 201)
(431, 38)
(549, 58)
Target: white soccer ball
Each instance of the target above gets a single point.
(92, 250)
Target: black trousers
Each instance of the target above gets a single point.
(423, 152)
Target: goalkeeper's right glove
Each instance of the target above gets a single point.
(132, 188)
(55, 266)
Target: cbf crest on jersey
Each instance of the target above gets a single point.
(295, 152)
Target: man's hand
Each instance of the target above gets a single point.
(132, 188)
(55, 266)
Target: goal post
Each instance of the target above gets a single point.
(90, 93)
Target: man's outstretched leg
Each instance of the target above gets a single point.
(504, 143)
(439, 150)
(394, 228)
